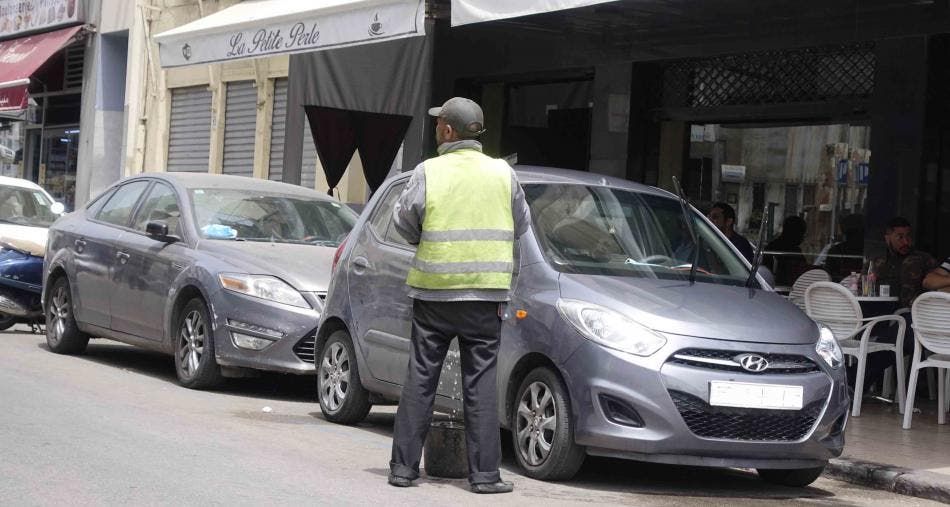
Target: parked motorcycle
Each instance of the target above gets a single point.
(21, 285)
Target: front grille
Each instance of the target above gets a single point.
(746, 424)
(725, 360)
(304, 349)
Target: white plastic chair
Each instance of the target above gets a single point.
(931, 317)
(797, 294)
(834, 306)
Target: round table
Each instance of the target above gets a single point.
(873, 306)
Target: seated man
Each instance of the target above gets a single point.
(723, 216)
(939, 277)
(903, 268)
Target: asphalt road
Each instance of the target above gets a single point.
(112, 427)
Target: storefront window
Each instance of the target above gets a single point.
(818, 173)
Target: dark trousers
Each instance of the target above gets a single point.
(879, 361)
(434, 325)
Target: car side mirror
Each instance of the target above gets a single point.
(159, 231)
(57, 208)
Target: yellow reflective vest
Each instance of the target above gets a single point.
(467, 239)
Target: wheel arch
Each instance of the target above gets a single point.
(521, 370)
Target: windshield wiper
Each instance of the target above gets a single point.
(757, 258)
(689, 227)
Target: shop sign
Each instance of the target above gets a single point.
(18, 16)
(315, 32)
(733, 173)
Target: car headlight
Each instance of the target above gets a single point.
(610, 328)
(264, 287)
(827, 347)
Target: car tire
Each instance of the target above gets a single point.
(6, 321)
(195, 363)
(343, 399)
(62, 333)
(542, 428)
(795, 477)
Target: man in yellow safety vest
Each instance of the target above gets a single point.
(464, 210)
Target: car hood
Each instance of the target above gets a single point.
(305, 267)
(28, 239)
(704, 310)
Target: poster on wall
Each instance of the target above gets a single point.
(20, 16)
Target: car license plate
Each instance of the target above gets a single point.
(745, 395)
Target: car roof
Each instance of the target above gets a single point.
(19, 182)
(190, 181)
(532, 174)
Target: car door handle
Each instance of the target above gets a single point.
(360, 264)
(80, 245)
(122, 256)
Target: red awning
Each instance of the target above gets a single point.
(20, 58)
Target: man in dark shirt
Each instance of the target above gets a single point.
(723, 216)
(902, 267)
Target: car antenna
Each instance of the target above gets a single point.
(689, 227)
(757, 258)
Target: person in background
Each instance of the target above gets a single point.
(787, 267)
(939, 277)
(723, 216)
(902, 267)
(838, 265)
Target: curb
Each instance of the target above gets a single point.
(903, 481)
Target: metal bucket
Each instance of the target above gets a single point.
(444, 451)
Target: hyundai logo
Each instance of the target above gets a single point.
(753, 362)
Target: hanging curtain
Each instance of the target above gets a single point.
(335, 134)
(380, 136)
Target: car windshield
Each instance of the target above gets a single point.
(25, 206)
(247, 215)
(614, 232)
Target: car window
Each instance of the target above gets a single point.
(382, 221)
(25, 206)
(250, 215)
(614, 232)
(161, 205)
(118, 209)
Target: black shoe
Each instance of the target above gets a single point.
(487, 488)
(399, 482)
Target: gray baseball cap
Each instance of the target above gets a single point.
(464, 115)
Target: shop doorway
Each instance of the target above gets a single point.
(52, 161)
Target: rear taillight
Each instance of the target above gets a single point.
(339, 251)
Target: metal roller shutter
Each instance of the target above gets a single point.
(240, 120)
(189, 130)
(308, 165)
(278, 128)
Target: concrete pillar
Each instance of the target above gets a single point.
(608, 136)
(897, 128)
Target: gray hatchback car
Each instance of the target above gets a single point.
(613, 344)
(225, 273)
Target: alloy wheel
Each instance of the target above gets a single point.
(191, 342)
(536, 423)
(57, 314)
(334, 376)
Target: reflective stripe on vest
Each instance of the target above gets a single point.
(467, 239)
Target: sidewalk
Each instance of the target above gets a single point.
(879, 454)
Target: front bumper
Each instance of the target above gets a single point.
(291, 353)
(750, 438)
